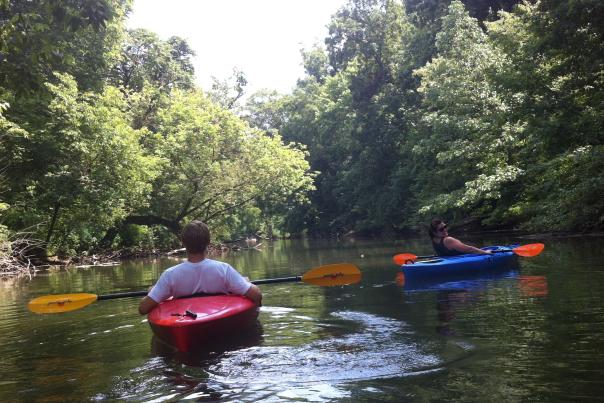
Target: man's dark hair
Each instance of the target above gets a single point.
(195, 236)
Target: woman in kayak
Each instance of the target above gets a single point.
(445, 245)
(198, 274)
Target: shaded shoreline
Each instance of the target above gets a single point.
(113, 258)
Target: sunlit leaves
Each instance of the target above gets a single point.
(146, 60)
(215, 164)
(75, 37)
(468, 127)
(90, 165)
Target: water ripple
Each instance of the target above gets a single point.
(379, 349)
(373, 347)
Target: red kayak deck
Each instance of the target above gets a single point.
(192, 323)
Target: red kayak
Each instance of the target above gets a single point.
(193, 323)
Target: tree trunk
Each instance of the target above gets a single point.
(53, 222)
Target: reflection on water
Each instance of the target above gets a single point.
(533, 286)
(252, 336)
(447, 303)
(459, 281)
(458, 292)
(534, 333)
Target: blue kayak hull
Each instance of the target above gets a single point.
(448, 265)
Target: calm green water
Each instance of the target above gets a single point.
(534, 333)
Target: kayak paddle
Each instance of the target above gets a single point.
(327, 275)
(529, 250)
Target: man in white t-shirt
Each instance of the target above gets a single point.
(198, 274)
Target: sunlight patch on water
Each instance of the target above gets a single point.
(317, 392)
(276, 311)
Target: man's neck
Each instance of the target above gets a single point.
(196, 257)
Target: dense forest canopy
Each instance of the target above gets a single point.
(107, 143)
(482, 111)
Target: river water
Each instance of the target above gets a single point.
(534, 332)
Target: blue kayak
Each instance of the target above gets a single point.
(502, 258)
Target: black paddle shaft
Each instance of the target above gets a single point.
(278, 280)
(123, 295)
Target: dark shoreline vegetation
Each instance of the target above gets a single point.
(23, 264)
(488, 114)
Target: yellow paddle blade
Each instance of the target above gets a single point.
(60, 302)
(333, 274)
(529, 250)
(404, 258)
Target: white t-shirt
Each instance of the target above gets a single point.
(208, 276)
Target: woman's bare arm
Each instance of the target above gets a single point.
(456, 244)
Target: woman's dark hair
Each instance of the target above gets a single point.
(434, 227)
(195, 236)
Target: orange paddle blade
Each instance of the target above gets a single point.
(60, 303)
(529, 250)
(403, 258)
(333, 274)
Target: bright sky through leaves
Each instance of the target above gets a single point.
(262, 38)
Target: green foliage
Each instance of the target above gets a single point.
(145, 60)
(438, 113)
(137, 236)
(102, 134)
(214, 165)
(246, 222)
(466, 125)
(264, 110)
(43, 36)
(86, 163)
(228, 91)
(565, 183)
(409, 110)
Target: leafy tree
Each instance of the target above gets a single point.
(146, 60)
(148, 70)
(465, 119)
(82, 167)
(316, 64)
(556, 90)
(264, 110)
(213, 164)
(229, 91)
(40, 37)
(348, 113)
(430, 11)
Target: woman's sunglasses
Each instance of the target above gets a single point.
(441, 229)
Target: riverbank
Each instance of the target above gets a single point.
(20, 264)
